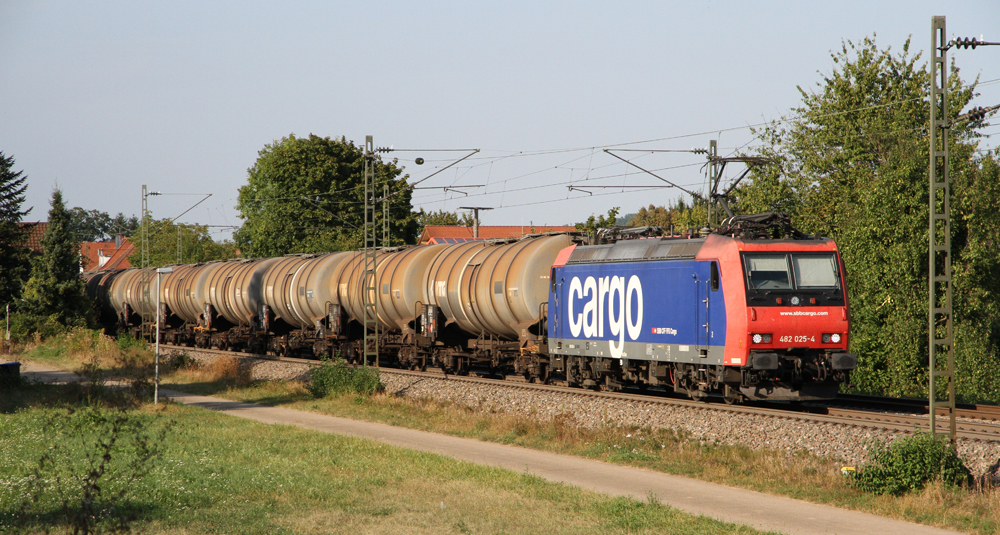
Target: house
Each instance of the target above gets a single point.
(101, 256)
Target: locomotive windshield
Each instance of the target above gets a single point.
(791, 271)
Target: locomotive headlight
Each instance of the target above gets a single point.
(795, 300)
(761, 338)
(835, 338)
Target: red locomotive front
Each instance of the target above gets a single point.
(790, 340)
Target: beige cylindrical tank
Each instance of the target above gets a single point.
(199, 283)
(193, 292)
(134, 287)
(235, 288)
(218, 279)
(177, 292)
(350, 287)
(314, 287)
(402, 283)
(512, 281)
(444, 282)
(494, 287)
(278, 289)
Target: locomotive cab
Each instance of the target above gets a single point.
(795, 341)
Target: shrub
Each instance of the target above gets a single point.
(335, 377)
(231, 370)
(910, 463)
(126, 341)
(180, 360)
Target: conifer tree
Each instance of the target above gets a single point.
(15, 262)
(55, 287)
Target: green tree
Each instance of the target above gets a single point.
(441, 217)
(306, 195)
(851, 164)
(55, 288)
(95, 225)
(594, 223)
(195, 242)
(15, 260)
(679, 216)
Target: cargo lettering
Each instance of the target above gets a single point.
(616, 308)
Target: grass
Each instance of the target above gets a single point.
(219, 474)
(799, 475)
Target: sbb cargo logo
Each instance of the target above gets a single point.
(606, 298)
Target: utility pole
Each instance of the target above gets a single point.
(385, 215)
(939, 324)
(475, 217)
(370, 296)
(146, 328)
(714, 172)
(940, 331)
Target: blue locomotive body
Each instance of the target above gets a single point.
(656, 310)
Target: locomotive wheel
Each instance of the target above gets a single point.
(732, 396)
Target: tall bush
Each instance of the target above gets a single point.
(909, 464)
(335, 377)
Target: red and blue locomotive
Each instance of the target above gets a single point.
(751, 318)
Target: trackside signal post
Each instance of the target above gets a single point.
(940, 331)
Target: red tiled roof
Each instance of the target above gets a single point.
(119, 260)
(35, 235)
(439, 233)
(91, 253)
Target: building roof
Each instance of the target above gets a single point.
(456, 234)
(35, 235)
(119, 260)
(91, 254)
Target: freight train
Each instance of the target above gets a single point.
(755, 310)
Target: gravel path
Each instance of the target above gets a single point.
(844, 443)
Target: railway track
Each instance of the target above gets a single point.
(975, 422)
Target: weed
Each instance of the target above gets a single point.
(230, 370)
(126, 341)
(335, 377)
(180, 360)
(94, 458)
(909, 464)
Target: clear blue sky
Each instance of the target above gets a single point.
(98, 98)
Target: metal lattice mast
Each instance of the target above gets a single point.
(713, 171)
(385, 216)
(370, 279)
(144, 232)
(939, 324)
(146, 329)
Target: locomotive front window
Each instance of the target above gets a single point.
(815, 272)
(768, 272)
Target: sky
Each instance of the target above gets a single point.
(99, 98)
